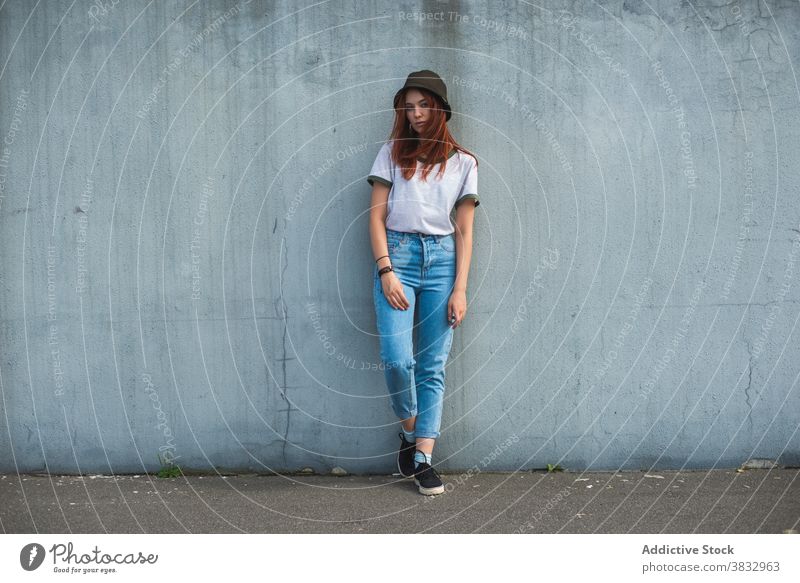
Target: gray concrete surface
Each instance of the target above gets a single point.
(718, 501)
(185, 261)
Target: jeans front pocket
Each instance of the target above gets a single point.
(395, 242)
(448, 243)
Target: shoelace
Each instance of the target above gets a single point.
(428, 470)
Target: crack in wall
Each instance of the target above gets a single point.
(283, 348)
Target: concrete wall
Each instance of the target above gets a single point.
(186, 267)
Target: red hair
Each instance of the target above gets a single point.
(434, 146)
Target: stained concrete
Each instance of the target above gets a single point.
(716, 501)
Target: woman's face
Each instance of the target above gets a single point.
(418, 110)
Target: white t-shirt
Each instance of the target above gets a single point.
(424, 207)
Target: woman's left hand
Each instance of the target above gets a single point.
(456, 308)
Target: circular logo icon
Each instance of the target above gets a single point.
(31, 556)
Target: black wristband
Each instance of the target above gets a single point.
(386, 269)
(381, 257)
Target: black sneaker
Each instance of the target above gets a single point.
(405, 457)
(428, 480)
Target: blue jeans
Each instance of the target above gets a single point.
(426, 266)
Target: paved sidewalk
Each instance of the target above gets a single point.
(719, 501)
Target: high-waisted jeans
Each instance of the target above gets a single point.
(426, 266)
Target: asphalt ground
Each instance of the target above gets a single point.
(716, 501)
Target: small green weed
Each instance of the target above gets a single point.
(168, 468)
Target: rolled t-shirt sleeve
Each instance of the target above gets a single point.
(382, 168)
(469, 189)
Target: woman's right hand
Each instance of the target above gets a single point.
(393, 291)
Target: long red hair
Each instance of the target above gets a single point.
(433, 147)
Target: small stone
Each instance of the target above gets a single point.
(759, 464)
(306, 471)
(337, 471)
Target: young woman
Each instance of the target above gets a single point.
(422, 262)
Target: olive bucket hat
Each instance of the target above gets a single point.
(426, 79)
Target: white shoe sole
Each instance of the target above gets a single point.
(429, 491)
